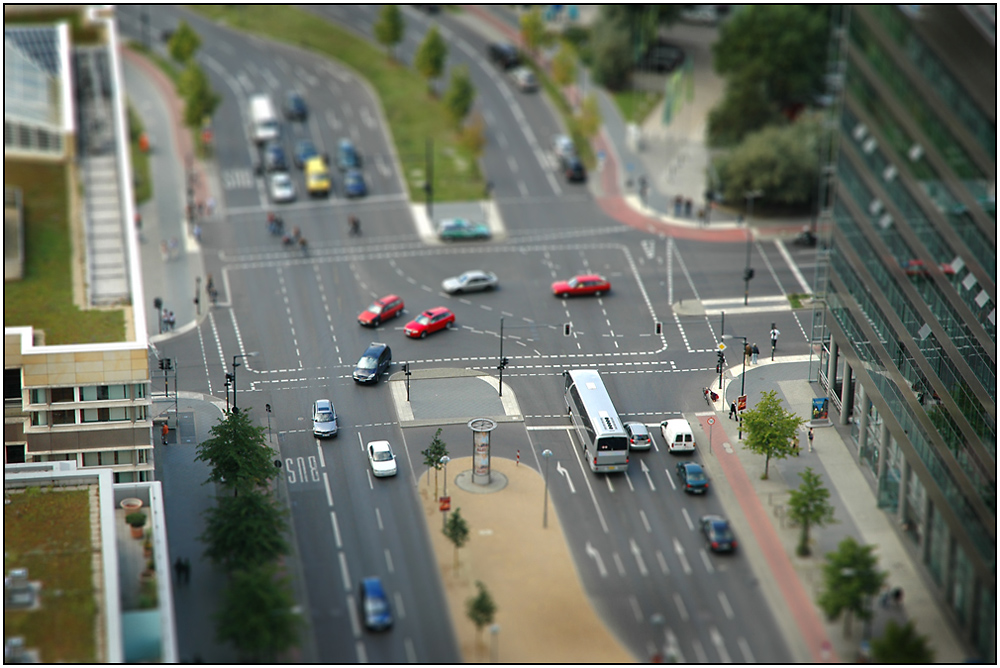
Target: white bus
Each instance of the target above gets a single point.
(605, 443)
(263, 120)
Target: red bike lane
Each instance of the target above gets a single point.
(800, 606)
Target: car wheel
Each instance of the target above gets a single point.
(423, 334)
(376, 322)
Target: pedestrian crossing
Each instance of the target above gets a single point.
(237, 179)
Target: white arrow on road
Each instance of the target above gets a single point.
(645, 469)
(597, 558)
(680, 555)
(565, 473)
(637, 553)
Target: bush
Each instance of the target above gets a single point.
(136, 519)
(612, 55)
(579, 37)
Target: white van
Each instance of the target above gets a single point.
(678, 435)
(263, 120)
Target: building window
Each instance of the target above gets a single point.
(14, 454)
(39, 418)
(125, 476)
(140, 390)
(39, 396)
(62, 395)
(12, 386)
(105, 414)
(64, 417)
(140, 413)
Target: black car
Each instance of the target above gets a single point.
(274, 158)
(503, 55)
(373, 363)
(718, 534)
(295, 107)
(574, 170)
(663, 58)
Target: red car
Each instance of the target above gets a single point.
(588, 284)
(429, 322)
(381, 310)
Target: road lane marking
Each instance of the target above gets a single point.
(352, 609)
(512, 163)
(326, 483)
(670, 479)
(726, 608)
(618, 564)
(635, 608)
(679, 549)
(720, 645)
(645, 522)
(378, 516)
(398, 598)
(699, 651)
(597, 559)
(336, 529)
(565, 473)
(745, 648)
(586, 480)
(687, 518)
(708, 562)
(322, 459)
(681, 609)
(388, 560)
(343, 571)
(780, 245)
(637, 553)
(362, 654)
(411, 654)
(663, 563)
(645, 469)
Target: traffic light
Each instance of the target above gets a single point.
(659, 328)
(566, 329)
(720, 362)
(166, 364)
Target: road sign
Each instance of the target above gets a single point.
(445, 503)
(710, 421)
(722, 346)
(741, 403)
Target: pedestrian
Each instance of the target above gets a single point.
(179, 570)
(732, 410)
(756, 354)
(678, 203)
(171, 320)
(774, 338)
(897, 597)
(748, 354)
(197, 232)
(795, 444)
(688, 204)
(165, 431)
(810, 439)
(643, 188)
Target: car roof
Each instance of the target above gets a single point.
(387, 299)
(589, 277)
(435, 311)
(380, 445)
(691, 466)
(713, 518)
(475, 272)
(345, 143)
(374, 347)
(637, 426)
(373, 585)
(324, 405)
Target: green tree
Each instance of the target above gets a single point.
(902, 645)
(770, 429)
(200, 100)
(781, 46)
(184, 43)
(851, 579)
(612, 55)
(430, 56)
(389, 28)
(460, 95)
(532, 29)
(256, 615)
(743, 109)
(456, 529)
(245, 531)
(808, 505)
(783, 162)
(238, 453)
(432, 457)
(564, 64)
(589, 118)
(481, 609)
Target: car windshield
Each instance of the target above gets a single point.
(374, 607)
(423, 319)
(324, 416)
(722, 531)
(382, 456)
(573, 283)
(695, 476)
(367, 362)
(375, 308)
(282, 180)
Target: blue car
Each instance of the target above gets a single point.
(354, 184)
(347, 156)
(374, 604)
(304, 149)
(693, 477)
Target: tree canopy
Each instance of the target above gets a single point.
(809, 505)
(481, 608)
(245, 531)
(389, 27)
(184, 43)
(532, 28)
(431, 55)
(432, 457)
(902, 645)
(770, 429)
(238, 453)
(256, 615)
(456, 529)
(851, 580)
(460, 95)
(612, 59)
(564, 64)
(200, 101)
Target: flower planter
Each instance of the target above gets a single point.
(130, 505)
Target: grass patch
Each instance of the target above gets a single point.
(44, 298)
(48, 532)
(80, 33)
(636, 105)
(795, 299)
(142, 182)
(414, 116)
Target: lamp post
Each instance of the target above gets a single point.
(229, 380)
(503, 360)
(444, 462)
(748, 272)
(406, 372)
(743, 376)
(236, 364)
(267, 407)
(547, 455)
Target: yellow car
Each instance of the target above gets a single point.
(317, 177)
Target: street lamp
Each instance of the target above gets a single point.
(743, 376)
(267, 407)
(503, 360)
(444, 462)
(547, 455)
(748, 272)
(236, 364)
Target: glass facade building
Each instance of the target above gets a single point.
(909, 332)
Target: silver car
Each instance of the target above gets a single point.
(324, 418)
(638, 436)
(470, 281)
(282, 188)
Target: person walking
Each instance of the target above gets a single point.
(755, 352)
(748, 354)
(165, 431)
(810, 439)
(732, 410)
(774, 339)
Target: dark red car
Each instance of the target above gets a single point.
(381, 310)
(428, 322)
(588, 284)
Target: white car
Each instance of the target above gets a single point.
(524, 79)
(381, 458)
(563, 147)
(324, 418)
(470, 281)
(282, 188)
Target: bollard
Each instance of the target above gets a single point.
(518, 462)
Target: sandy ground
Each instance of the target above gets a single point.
(542, 610)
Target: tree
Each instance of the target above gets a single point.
(808, 506)
(532, 29)
(612, 55)
(200, 100)
(743, 109)
(256, 615)
(389, 28)
(432, 457)
(850, 579)
(456, 529)
(245, 531)
(589, 118)
(184, 43)
(564, 64)
(238, 453)
(460, 95)
(481, 608)
(770, 429)
(902, 645)
(781, 161)
(430, 57)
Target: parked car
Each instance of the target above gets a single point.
(661, 57)
(524, 79)
(563, 147)
(374, 604)
(373, 363)
(693, 477)
(324, 418)
(503, 55)
(573, 170)
(718, 533)
(428, 322)
(274, 158)
(470, 281)
(585, 284)
(638, 436)
(381, 459)
(383, 309)
(295, 107)
(281, 187)
(347, 156)
(354, 183)
(459, 228)
(304, 150)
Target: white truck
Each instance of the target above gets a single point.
(263, 121)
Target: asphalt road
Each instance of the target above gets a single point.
(633, 536)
